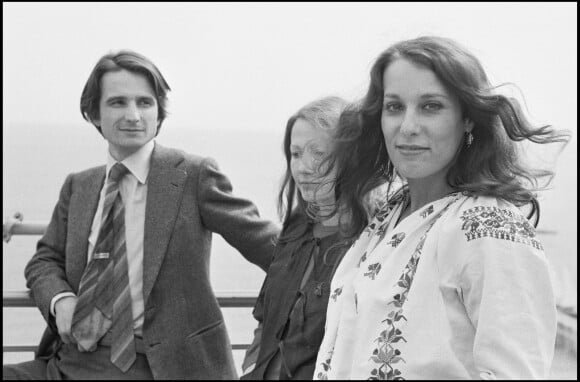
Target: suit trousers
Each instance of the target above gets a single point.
(69, 363)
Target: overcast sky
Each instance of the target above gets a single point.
(251, 65)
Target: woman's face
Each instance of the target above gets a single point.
(421, 121)
(309, 145)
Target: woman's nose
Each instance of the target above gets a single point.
(409, 125)
(305, 164)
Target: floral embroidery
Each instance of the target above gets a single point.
(381, 232)
(369, 228)
(325, 366)
(362, 259)
(381, 215)
(373, 270)
(491, 221)
(427, 212)
(336, 293)
(385, 354)
(406, 280)
(385, 211)
(397, 239)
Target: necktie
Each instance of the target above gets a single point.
(104, 302)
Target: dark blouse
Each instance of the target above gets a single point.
(292, 316)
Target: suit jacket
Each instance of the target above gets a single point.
(187, 199)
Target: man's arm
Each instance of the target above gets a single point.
(45, 272)
(236, 219)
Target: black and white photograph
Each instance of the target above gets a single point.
(280, 190)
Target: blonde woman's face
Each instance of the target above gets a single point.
(309, 145)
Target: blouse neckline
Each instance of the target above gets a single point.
(406, 199)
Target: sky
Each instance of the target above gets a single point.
(249, 66)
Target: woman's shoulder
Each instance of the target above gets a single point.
(470, 202)
(489, 207)
(480, 217)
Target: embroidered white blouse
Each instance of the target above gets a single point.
(460, 289)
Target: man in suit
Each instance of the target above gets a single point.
(122, 273)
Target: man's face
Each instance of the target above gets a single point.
(128, 112)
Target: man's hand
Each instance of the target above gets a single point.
(64, 310)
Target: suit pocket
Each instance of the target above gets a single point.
(205, 329)
(210, 350)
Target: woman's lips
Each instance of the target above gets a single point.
(411, 149)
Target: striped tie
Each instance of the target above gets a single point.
(104, 302)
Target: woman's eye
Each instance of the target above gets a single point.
(295, 155)
(393, 107)
(433, 106)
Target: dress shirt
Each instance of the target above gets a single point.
(133, 189)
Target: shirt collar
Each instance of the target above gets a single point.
(138, 163)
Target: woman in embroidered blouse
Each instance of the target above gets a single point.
(448, 281)
(292, 303)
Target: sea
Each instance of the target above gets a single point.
(37, 159)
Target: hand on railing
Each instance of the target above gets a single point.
(7, 227)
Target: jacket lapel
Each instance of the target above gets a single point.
(165, 185)
(83, 206)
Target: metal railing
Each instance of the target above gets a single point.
(22, 298)
(567, 320)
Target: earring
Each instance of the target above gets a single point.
(468, 139)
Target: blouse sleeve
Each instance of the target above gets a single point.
(505, 285)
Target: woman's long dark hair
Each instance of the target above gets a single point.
(489, 166)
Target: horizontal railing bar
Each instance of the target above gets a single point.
(32, 348)
(38, 228)
(17, 299)
(22, 299)
(28, 228)
(18, 348)
(226, 299)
